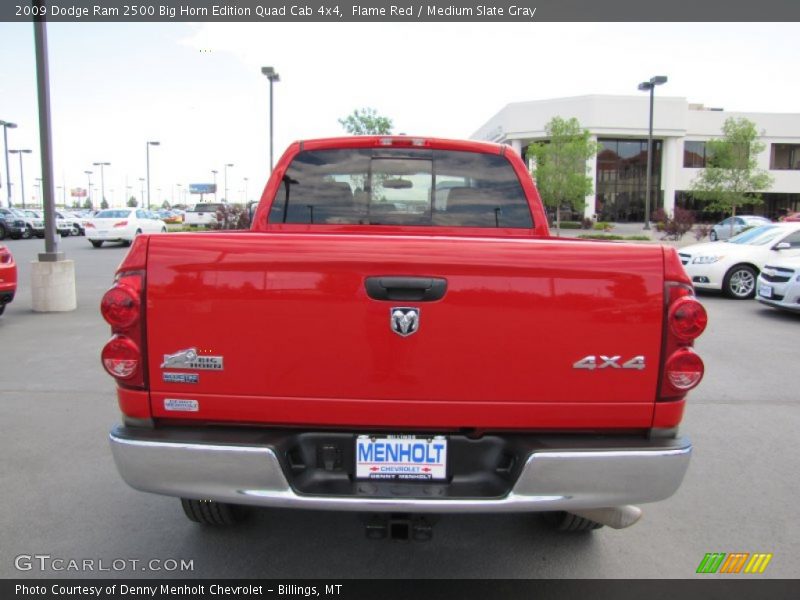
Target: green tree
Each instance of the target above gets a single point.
(731, 177)
(560, 170)
(366, 121)
(165, 205)
(132, 202)
(104, 204)
(87, 204)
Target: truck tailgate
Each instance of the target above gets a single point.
(297, 339)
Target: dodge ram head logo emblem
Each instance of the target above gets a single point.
(404, 320)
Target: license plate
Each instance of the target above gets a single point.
(765, 291)
(401, 457)
(102, 232)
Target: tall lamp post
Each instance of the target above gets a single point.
(89, 189)
(273, 77)
(226, 180)
(245, 190)
(21, 174)
(650, 86)
(6, 126)
(102, 181)
(214, 172)
(148, 169)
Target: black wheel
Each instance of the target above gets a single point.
(96, 243)
(2, 308)
(3, 232)
(163, 230)
(740, 282)
(210, 512)
(138, 232)
(712, 236)
(28, 233)
(564, 521)
(76, 231)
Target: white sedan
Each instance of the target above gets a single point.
(733, 265)
(779, 284)
(122, 225)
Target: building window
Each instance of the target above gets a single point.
(622, 179)
(785, 157)
(694, 155)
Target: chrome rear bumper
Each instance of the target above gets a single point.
(550, 479)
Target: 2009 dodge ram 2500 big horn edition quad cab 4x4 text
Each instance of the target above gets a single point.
(398, 333)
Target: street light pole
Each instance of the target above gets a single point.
(148, 169)
(6, 126)
(650, 86)
(226, 180)
(273, 78)
(89, 189)
(21, 173)
(102, 180)
(214, 171)
(245, 190)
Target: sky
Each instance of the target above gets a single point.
(197, 88)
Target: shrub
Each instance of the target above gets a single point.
(702, 231)
(570, 225)
(675, 227)
(231, 216)
(603, 226)
(600, 236)
(587, 223)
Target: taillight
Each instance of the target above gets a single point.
(5, 255)
(121, 224)
(89, 225)
(684, 369)
(687, 318)
(120, 306)
(121, 357)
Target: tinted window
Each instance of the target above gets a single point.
(401, 187)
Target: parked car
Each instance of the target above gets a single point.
(36, 220)
(793, 217)
(8, 277)
(12, 226)
(170, 216)
(71, 220)
(779, 284)
(722, 230)
(122, 225)
(34, 225)
(732, 266)
(201, 215)
(476, 394)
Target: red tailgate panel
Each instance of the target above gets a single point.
(302, 342)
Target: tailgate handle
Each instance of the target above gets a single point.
(414, 289)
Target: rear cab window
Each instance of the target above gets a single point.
(393, 186)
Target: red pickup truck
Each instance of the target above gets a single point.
(399, 334)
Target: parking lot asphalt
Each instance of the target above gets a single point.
(62, 496)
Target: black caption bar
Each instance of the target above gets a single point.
(524, 11)
(398, 589)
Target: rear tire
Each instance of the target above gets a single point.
(564, 521)
(713, 236)
(96, 243)
(210, 512)
(28, 233)
(739, 282)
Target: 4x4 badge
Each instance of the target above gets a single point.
(404, 320)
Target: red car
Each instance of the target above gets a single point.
(792, 217)
(8, 277)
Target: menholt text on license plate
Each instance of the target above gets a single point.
(401, 457)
